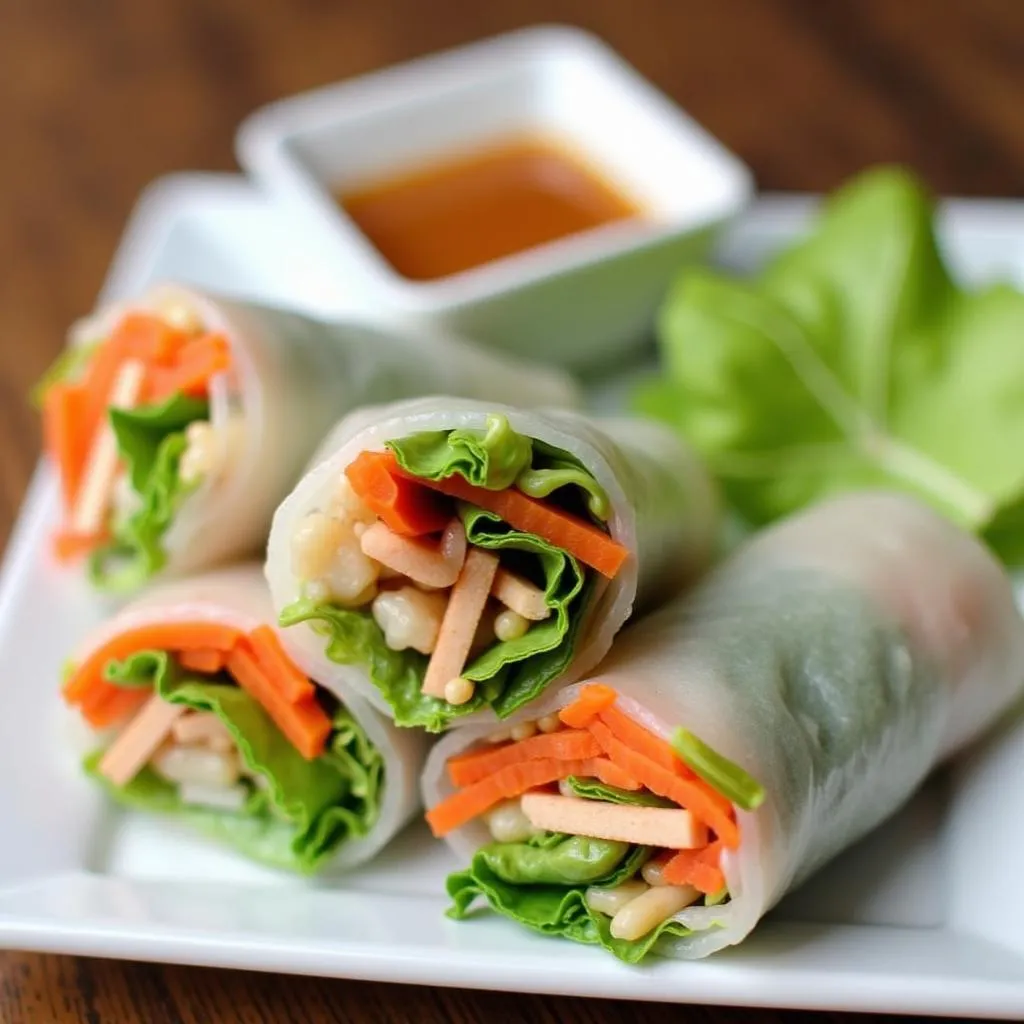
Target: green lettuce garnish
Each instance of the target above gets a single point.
(151, 440)
(552, 470)
(718, 772)
(510, 673)
(308, 808)
(542, 885)
(853, 360)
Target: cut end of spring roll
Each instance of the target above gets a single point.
(177, 422)
(208, 718)
(738, 739)
(455, 558)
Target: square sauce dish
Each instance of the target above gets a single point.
(531, 191)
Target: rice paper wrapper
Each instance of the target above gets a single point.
(295, 376)
(664, 508)
(238, 597)
(838, 658)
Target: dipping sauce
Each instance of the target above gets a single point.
(458, 214)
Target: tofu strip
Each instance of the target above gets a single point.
(458, 627)
(97, 487)
(520, 596)
(429, 566)
(140, 740)
(646, 826)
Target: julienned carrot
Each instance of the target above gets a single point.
(207, 660)
(408, 508)
(113, 705)
(699, 868)
(279, 668)
(645, 742)
(592, 700)
(610, 773)
(506, 783)
(567, 745)
(570, 533)
(69, 546)
(197, 361)
(696, 797)
(161, 636)
(304, 723)
(67, 444)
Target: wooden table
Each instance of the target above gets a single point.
(98, 99)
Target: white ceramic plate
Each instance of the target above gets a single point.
(898, 924)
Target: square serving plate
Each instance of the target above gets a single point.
(901, 923)
(579, 301)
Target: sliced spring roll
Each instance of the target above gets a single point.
(202, 715)
(178, 422)
(736, 741)
(448, 557)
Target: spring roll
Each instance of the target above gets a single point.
(448, 557)
(200, 714)
(178, 422)
(737, 740)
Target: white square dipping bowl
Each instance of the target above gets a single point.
(580, 302)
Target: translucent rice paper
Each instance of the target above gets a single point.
(295, 377)
(838, 657)
(664, 509)
(238, 597)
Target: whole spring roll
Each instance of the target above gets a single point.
(200, 714)
(735, 741)
(178, 422)
(448, 557)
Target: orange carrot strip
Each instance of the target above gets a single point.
(645, 742)
(66, 442)
(585, 541)
(305, 724)
(203, 659)
(510, 781)
(699, 868)
(162, 636)
(279, 669)
(114, 705)
(610, 773)
(407, 507)
(593, 699)
(197, 361)
(69, 546)
(568, 745)
(698, 799)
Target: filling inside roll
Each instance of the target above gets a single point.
(218, 726)
(456, 566)
(127, 423)
(603, 831)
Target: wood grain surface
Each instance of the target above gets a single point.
(99, 98)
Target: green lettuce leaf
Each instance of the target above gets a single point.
(151, 440)
(544, 889)
(308, 808)
(498, 459)
(509, 674)
(853, 360)
(593, 789)
(492, 459)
